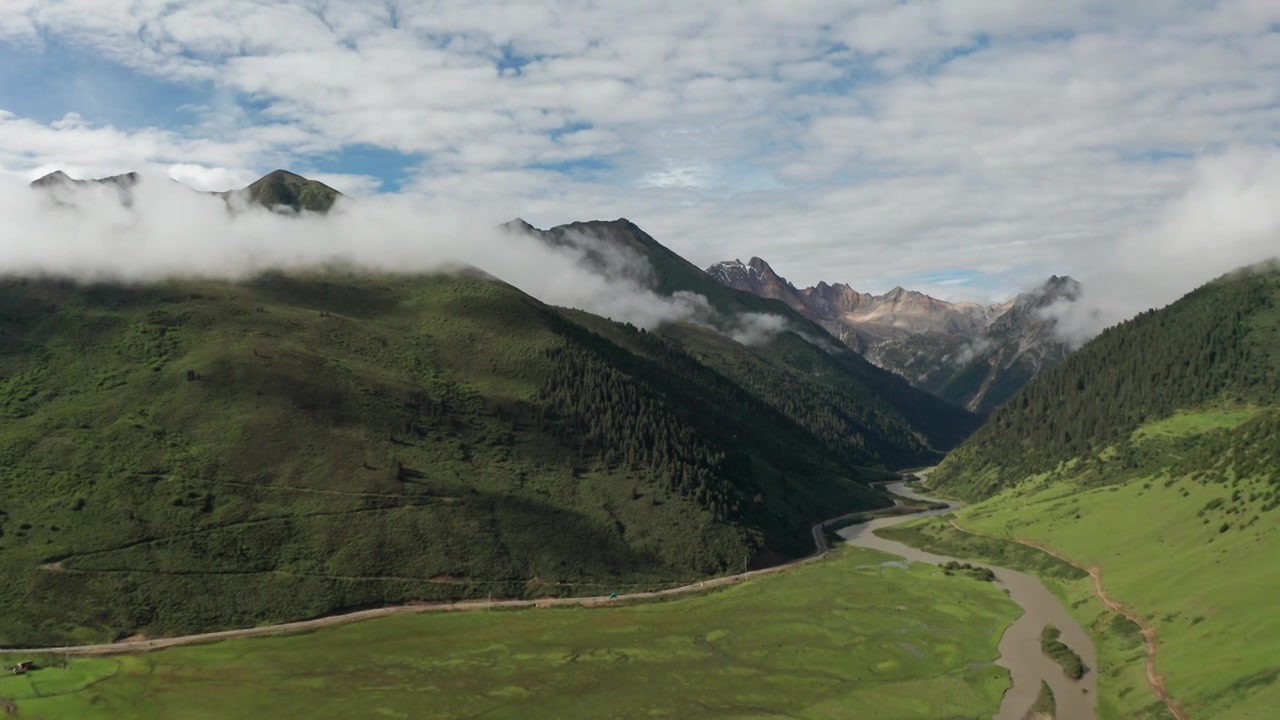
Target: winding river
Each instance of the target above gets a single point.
(1020, 645)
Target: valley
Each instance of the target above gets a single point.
(549, 359)
(854, 630)
(1020, 650)
(315, 455)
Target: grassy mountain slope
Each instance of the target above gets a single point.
(200, 455)
(285, 189)
(1154, 454)
(871, 416)
(1219, 343)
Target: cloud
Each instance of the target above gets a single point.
(756, 328)
(168, 230)
(1226, 219)
(866, 142)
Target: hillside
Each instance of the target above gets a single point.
(201, 455)
(1153, 455)
(870, 416)
(975, 356)
(1219, 344)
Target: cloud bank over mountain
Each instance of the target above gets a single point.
(163, 229)
(873, 142)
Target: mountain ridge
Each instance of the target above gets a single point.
(970, 354)
(860, 388)
(279, 190)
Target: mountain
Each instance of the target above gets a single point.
(58, 178)
(972, 355)
(279, 190)
(189, 456)
(1017, 346)
(283, 189)
(871, 416)
(58, 183)
(1153, 455)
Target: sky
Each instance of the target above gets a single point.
(965, 148)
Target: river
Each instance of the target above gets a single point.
(1020, 645)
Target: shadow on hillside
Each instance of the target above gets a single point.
(486, 544)
(341, 295)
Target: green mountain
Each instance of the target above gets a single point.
(869, 415)
(1216, 345)
(200, 455)
(1153, 455)
(283, 189)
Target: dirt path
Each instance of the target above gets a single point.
(1155, 679)
(147, 645)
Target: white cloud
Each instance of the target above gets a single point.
(1228, 217)
(167, 230)
(865, 141)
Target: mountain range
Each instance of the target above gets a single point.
(279, 190)
(189, 455)
(976, 356)
(192, 455)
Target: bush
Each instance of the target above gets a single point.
(1060, 653)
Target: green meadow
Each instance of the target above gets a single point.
(1191, 551)
(849, 636)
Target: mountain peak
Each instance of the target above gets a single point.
(284, 189)
(56, 177)
(518, 224)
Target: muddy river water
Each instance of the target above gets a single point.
(1020, 645)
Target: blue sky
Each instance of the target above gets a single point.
(965, 148)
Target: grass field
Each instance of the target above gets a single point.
(846, 637)
(1193, 553)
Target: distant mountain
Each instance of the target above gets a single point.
(1019, 344)
(870, 416)
(280, 190)
(972, 355)
(58, 178)
(59, 181)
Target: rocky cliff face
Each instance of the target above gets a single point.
(973, 355)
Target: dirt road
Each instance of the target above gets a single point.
(1155, 679)
(147, 645)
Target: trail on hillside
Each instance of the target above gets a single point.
(1155, 679)
(821, 548)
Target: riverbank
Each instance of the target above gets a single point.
(1020, 645)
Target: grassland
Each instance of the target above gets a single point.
(1191, 552)
(848, 636)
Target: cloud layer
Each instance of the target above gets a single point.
(874, 142)
(166, 230)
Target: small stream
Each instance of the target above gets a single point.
(1020, 645)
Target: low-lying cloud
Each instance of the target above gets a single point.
(167, 230)
(1227, 219)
